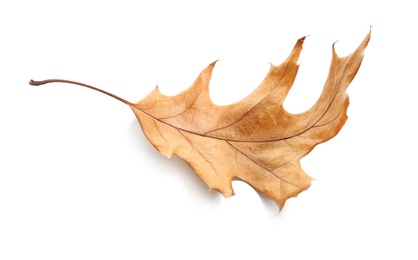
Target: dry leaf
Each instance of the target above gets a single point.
(255, 139)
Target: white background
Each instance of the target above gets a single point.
(78, 179)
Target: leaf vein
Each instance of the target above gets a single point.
(261, 166)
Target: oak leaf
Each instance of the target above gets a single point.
(255, 139)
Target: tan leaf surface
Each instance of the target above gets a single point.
(255, 139)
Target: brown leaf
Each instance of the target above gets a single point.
(255, 139)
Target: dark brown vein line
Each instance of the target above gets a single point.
(261, 166)
(159, 131)
(329, 122)
(187, 108)
(336, 92)
(261, 100)
(197, 150)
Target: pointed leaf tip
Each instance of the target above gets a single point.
(213, 63)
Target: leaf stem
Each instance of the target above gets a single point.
(42, 82)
